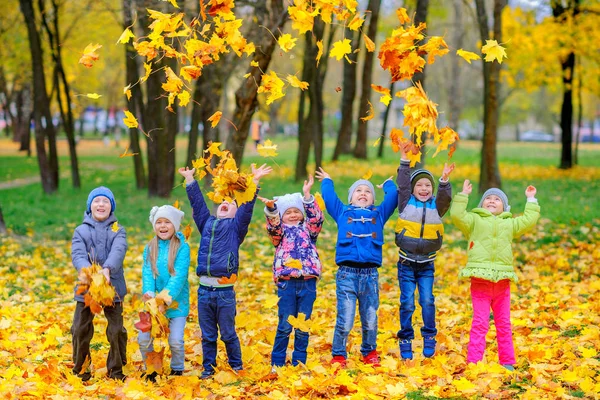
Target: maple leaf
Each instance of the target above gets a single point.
(215, 118)
(493, 51)
(467, 55)
(293, 263)
(435, 46)
(319, 200)
(93, 95)
(445, 137)
(190, 72)
(184, 98)
(127, 92)
(368, 175)
(295, 82)
(302, 17)
(177, 205)
(386, 98)
(369, 44)
(464, 385)
(300, 322)
(286, 42)
(90, 55)
(319, 52)
(125, 36)
(356, 23)
(130, 120)
(370, 113)
(187, 231)
(402, 15)
(268, 149)
(154, 361)
(173, 83)
(271, 84)
(340, 49)
(224, 280)
(213, 149)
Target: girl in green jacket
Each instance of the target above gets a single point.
(490, 230)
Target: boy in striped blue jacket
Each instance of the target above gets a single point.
(419, 234)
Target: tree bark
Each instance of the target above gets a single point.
(421, 17)
(273, 17)
(386, 116)
(3, 230)
(489, 172)
(360, 149)
(344, 140)
(44, 129)
(454, 87)
(136, 102)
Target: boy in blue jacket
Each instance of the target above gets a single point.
(218, 260)
(358, 255)
(102, 240)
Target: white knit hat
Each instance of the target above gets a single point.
(357, 184)
(169, 212)
(288, 201)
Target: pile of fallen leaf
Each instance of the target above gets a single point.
(555, 315)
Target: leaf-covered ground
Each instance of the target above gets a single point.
(555, 313)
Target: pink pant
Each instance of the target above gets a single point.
(486, 294)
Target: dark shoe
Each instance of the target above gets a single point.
(119, 376)
(372, 358)
(150, 377)
(429, 346)
(86, 376)
(176, 373)
(207, 374)
(406, 349)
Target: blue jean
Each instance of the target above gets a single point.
(354, 284)
(295, 296)
(410, 277)
(216, 313)
(176, 328)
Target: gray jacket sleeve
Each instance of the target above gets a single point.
(79, 252)
(115, 258)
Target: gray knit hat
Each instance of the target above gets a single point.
(419, 174)
(496, 192)
(288, 201)
(357, 184)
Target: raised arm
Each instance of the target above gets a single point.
(403, 178)
(390, 199)
(200, 211)
(332, 202)
(274, 227)
(444, 192)
(458, 211)
(531, 215)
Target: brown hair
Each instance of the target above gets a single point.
(174, 245)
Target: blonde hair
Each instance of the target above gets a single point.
(174, 245)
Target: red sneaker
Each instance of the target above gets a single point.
(372, 358)
(340, 360)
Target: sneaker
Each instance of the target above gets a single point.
(86, 376)
(372, 358)
(175, 372)
(509, 367)
(429, 346)
(118, 376)
(406, 349)
(150, 377)
(340, 360)
(207, 374)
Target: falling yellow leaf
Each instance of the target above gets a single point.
(127, 92)
(341, 49)
(130, 120)
(370, 113)
(177, 205)
(148, 69)
(126, 154)
(215, 118)
(402, 15)
(213, 148)
(184, 98)
(268, 149)
(93, 95)
(286, 42)
(368, 175)
(369, 44)
(90, 55)
(467, 55)
(125, 36)
(493, 51)
(356, 23)
(320, 51)
(187, 231)
(295, 82)
(377, 142)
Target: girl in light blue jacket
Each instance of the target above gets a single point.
(166, 265)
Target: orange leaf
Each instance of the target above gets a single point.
(154, 361)
(187, 231)
(215, 118)
(370, 113)
(227, 280)
(90, 55)
(369, 44)
(125, 154)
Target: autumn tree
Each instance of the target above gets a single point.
(489, 172)
(44, 129)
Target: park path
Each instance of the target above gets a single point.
(19, 182)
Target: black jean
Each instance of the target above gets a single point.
(82, 332)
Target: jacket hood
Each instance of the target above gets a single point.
(487, 213)
(89, 220)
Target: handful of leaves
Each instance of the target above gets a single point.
(97, 291)
(156, 307)
(228, 183)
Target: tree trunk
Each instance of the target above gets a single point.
(568, 71)
(360, 149)
(136, 102)
(386, 116)
(454, 86)
(421, 17)
(489, 173)
(48, 164)
(344, 140)
(273, 17)
(3, 230)
(579, 119)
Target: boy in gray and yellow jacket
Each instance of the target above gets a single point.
(419, 233)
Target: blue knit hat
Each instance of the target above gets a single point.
(495, 192)
(101, 191)
(357, 184)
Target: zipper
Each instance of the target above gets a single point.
(423, 222)
(212, 236)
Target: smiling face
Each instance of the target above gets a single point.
(493, 204)
(292, 216)
(227, 209)
(423, 189)
(100, 208)
(164, 229)
(362, 196)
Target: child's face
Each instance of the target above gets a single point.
(362, 196)
(423, 189)
(494, 204)
(100, 208)
(227, 209)
(164, 229)
(292, 216)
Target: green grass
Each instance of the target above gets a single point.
(565, 200)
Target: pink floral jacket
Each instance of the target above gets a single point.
(296, 242)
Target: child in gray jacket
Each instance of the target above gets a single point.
(99, 239)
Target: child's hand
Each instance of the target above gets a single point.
(530, 191)
(447, 171)
(380, 186)
(321, 174)
(146, 297)
(307, 186)
(467, 187)
(106, 273)
(269, 203)
(187, 173)
(405, 147)
(260, 172)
